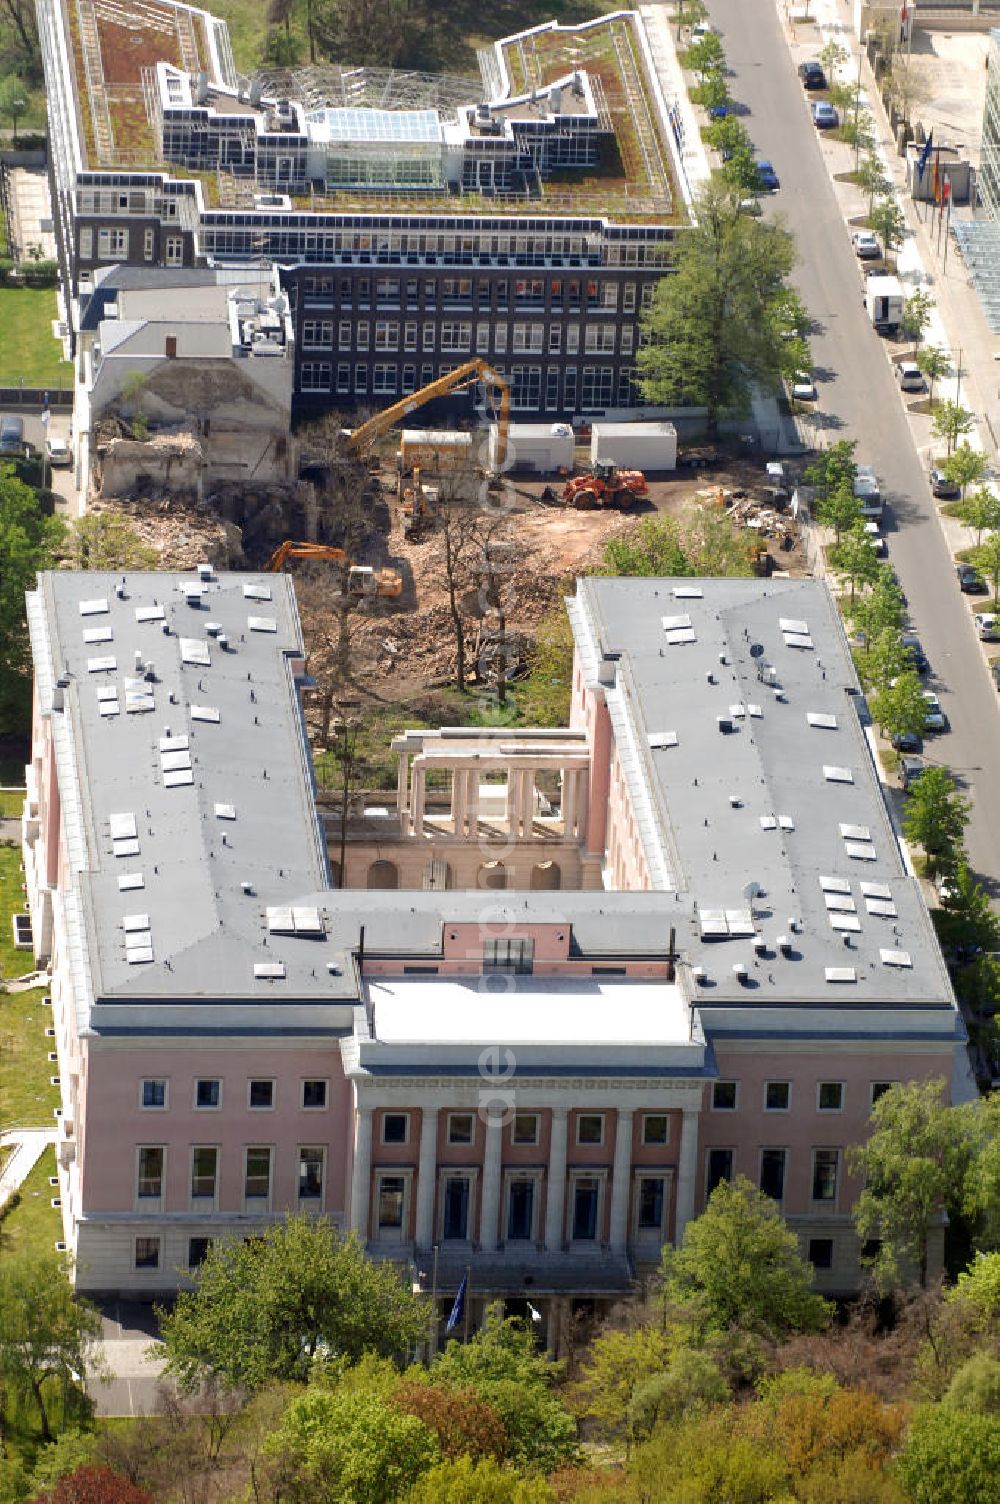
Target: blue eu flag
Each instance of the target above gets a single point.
(458, 1309)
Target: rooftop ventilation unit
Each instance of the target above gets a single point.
(785, 945)
(741, 973)
(759, 944)
(724, 724)
(700, 975)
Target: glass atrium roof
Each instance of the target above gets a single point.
(375, 125)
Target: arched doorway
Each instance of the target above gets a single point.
(545, 876)
(383, 874)
(492, 875)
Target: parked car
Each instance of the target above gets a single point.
(750, 206)
(907, 741)
(910, 377)
(766, 175)
(824, 115)
(915, 648)
(943, 486)
(701, 29)
(11, 435)
(58, 453)
(936, 718)
(812, 75)
(970, 581)
(910, 769)
(866, 246)
(803, 387)
(876, 540)
(718, 112)
(987, 626)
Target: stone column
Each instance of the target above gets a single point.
(687, 1166)
(570, 790)
(620, 1177)
(513, 810)
(555, 1199)
(417, 798)
(527, 800)
(489, 1213)
(459, 800)
(402, 785)
(361, 1173)
(426, 1177)
(473, 796)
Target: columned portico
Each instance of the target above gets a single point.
(426, 1177)
(620, 1179)
(361, 1173)
(490, 1207)
(556, 1195)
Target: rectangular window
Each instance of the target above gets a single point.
(720, 1167)
(821, 1253)
(777, 1096)
(426, 375)
(455, 338)
(317, 332)
(395, 1127)
(386, 334)
(208, 1092)
(147, 245)
(500, 339)
(198, 1251)
(344, 334)
(655, 1128)
(590, 1128)
(482, 339)
(455, 1208)
(502, 301)
(515, 956)
(586, 1200)
(520, 1210)
(826, 1164)
(648, 293)
(598, 384)
(257, 1180)
(204, 1172)
(724, 1096)
(364, 291)
(360, 379)
(112, 244)
(387, 290)
(311, 1174)
(772, 1173)
(260, 1093)
(412, 293)
(147, 1253)
(879, 1089)
(153, 1093)
(528, 338)
(525, 1128)
(460, 1128)
(314, 1095)
(651, 1199)
(409, 378)
(346, 292)
(569, 387)
(383, 380)
(315, 376)
(430, 292)
(599, 339)
(628, 298)
(572, 339)
(428, 336)
(409, 336)
(609, 295)
(362, 334)
(174, 251)
(391, 1196)
(343, 378)
(150, 1187)
(830, 1097)
(483, 296)
(86, 242)
(628, 339)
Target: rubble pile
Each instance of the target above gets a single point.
(183, 535)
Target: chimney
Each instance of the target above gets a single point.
(171, 347)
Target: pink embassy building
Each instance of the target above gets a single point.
(576, 977)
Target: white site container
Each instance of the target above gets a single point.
(438, 450)
(541, 448)
(635, 446)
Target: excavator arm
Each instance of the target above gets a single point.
(292, 550)
(368, 434)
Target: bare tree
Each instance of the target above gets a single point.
(461, 537)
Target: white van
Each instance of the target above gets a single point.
(867, 491)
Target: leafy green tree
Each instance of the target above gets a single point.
(882, 659)
(857, 129)
(854, 557)
(934, 363)
(916, 316)
(980, 511)
(545, 697)
(950, 422)
(976, 1387)
(28, 541)
(872, 178)
(691, 1382)
(616, 1365)
(987, 560)
(935, 818)
(107, 540)
(840, 510)
(966, 922)
(913, 1166)
(706, 56)
(966, 466)
(879, 611)
(741, 174)
(262, 1310)
(832, 469)
(502, 1367)
(889, 223)
(45, 1334)
(713, 93)
(833, 56)
(711, 330)
(462, 1481)
(652, 549)
(688, 13)
(13, 101)
(900, 708)
(727, 134)
(708, 1460)
(951, 1457)
(348, 1446)
(740, 1270)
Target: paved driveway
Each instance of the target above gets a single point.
(129, 1328)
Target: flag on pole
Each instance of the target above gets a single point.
(924, 157)
(458, 1309)
(534, 1312)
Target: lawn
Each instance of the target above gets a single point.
(11, 803)
(26, 1098)
(35, 1225)
(27, 347)
(13, 963)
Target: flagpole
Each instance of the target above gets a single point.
(434, 1305)
(468, 1287)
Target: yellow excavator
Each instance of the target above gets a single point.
(362, 439)
(363, 581)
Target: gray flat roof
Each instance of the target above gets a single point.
(193, 779)
(746, 744)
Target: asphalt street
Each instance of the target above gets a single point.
(859, 400)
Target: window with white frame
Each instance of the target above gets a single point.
(572, 339)
(525, 387)
(520, 1223)
(599, 339)
(257, 1175)
(260, 1093)
(455, 337)
(148, 238)
(524, 1128)
(598, 386)
(585, 1201)
(317, 333)
(204, 1172)
(112, 243)
(386, 334)
(311, 1164)
(627, 340)
(390, 1205)
(655, 1128)
(590, 1128)
(343, 378)
(360, 379)
(147, 1253)
(650, 1203)
(149, 1182)
(362, 334)
(153, 1093)
(315, 1090)
(724, 1096)
(777, 1096)
(461, 1127)
(772, 1173)
(315, 376)
(409, 378)
(208, 1092)
(482, 338)
(173, 253)
(456, 1195)
(409, 336)
(528, 338)
(500, 339)
(552, 388)
(628, 298)
(344, 334)
(718, 1167)
(648, 293)
(555, 338)
(86, 242)
(427, 339)
(825, 1174)
(569, 387)
(830, 1096)
(383, 380)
